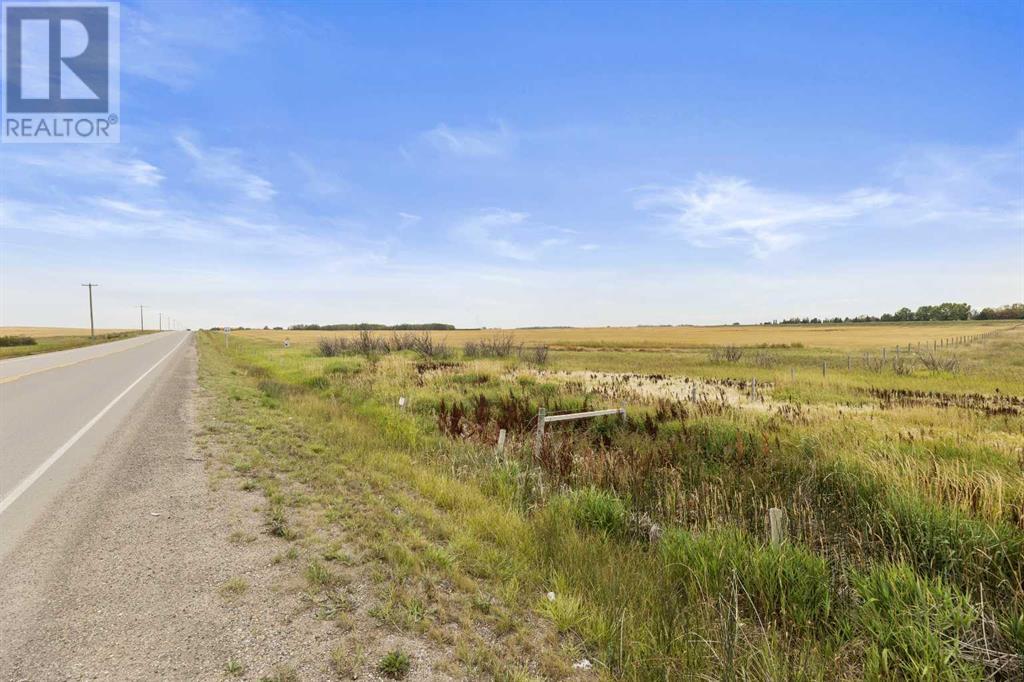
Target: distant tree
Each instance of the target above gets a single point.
(1013, 311)
(943, 312)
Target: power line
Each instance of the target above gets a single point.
(92, 325)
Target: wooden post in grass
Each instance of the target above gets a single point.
(777, 525)
(822, 368)
(401, 403)
(753, 390)
(501, 442)
(792, 374)
(539, 440)
(693, 392)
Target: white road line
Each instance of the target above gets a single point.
(27, 482)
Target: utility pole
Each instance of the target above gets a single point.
(142, 321)
(92, 325)
(160, 321)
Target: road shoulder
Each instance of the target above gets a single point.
(142, 571)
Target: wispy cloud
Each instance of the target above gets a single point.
(104, 164)
(168, 42)
(228, 232)
(106, 192)
(968, 187)
(715, 211)
(965, 189)
(318, 180)
(492, 230)
(127, 208)
(408, 219)
(223, 167)
(470, 142)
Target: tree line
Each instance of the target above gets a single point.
(942, 312)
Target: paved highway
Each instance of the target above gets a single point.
(58, 409)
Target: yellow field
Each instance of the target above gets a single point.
(833, 336)
(47, 332)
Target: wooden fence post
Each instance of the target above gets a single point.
(777, 525)
(539, 441)
(501, 442)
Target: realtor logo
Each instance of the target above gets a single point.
(61, 72)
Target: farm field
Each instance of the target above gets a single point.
(48, 339)
(866, 336)
(642, 546)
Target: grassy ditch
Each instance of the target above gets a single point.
(641, 545)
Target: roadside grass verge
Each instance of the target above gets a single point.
(49, 344)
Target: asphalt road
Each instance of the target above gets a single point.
(56, 412)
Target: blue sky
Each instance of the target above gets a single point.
(533, 164)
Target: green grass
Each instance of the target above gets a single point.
(905, 549)
(394, 665)
(12, 340)
(49, 344)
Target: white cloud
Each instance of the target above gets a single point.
(492, 230)
(716, 211)
(408, 219)
(105, 164)
(168, 42)
(966, 187)
(127, 208)
(470, 143)
(319, 181)
(232, 233)
(956, 190)
(223, 167)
